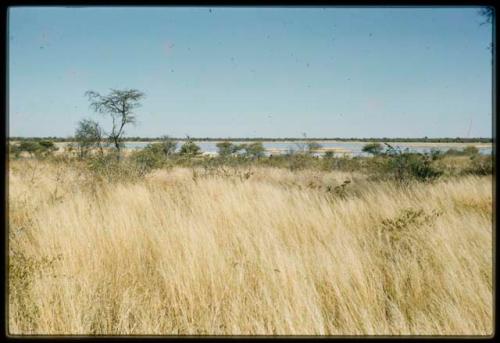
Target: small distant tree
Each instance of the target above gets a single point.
(254, 150)
(227, 148)
(88, 135)
(168, 145)
(189, 148)
(224, 148)
(373, 148)
(119, 105)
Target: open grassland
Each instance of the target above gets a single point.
(275, 252)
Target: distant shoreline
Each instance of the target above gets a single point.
(477, 144)
(398, 140)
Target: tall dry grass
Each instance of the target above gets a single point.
(272, 254)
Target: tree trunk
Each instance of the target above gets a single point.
(117, 146)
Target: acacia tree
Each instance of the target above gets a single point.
(119, 105)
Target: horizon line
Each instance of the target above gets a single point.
(268, 138)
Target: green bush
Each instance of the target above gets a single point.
(166, 145)
(373, 148)
(329, 154)
(148, 159)
(38, 149)
(404, 166)
(189, 148)
(227, 148)
(436, 154)
(254, 150)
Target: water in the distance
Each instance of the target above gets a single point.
(340, 148)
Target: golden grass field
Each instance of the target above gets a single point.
(267, 255)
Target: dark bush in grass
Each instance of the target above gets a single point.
(436, 154)
(227, 148)
(190, 149)
(404, 166)
(167, 146)
(329, 154)
(480, 165)
(38, 149)
(151, 157)
(373, 148)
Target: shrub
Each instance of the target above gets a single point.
(453, 152)
(436, 154)
(167, 146)
(404, 165)
(298, 162)
(39, 149)
(480, 165)
(108, 167)
(329, 154)
(373, 148)
(47, 145)
(254, 150)
(227, 148)
(88, 136)
(189, 148)
(471, 150)
(14, 150)
(149, 158)
(33, 148)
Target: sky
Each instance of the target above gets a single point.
(254, 72)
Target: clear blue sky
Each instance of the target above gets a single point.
(255, 72)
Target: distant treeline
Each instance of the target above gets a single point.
(285, 139)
